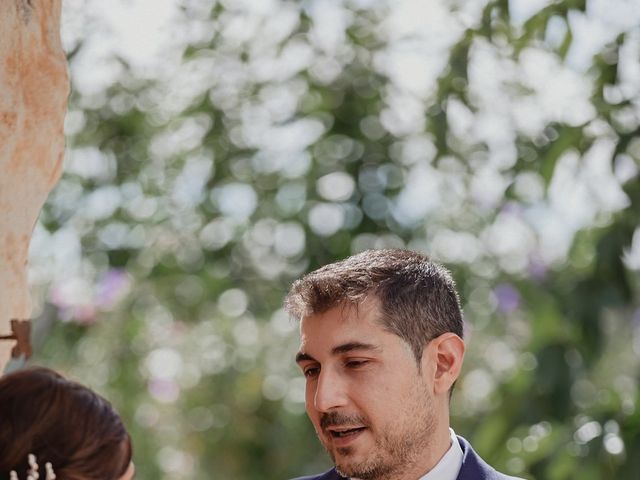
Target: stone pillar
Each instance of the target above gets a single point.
(34, 86)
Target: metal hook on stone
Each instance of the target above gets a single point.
(21, 333)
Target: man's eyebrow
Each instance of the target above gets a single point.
(339, 350)
(349, 347)
(302, 357)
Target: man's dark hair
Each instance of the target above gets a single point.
(418, 298)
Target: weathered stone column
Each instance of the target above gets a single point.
(34, 86)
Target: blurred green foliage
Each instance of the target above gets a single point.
(271, 140)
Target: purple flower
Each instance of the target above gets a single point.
(507, 297)
(111, 288)
(163, 390)
(537, 268)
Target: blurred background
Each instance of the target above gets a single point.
(217, 150)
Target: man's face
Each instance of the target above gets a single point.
(370, 404)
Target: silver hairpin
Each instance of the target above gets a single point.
(33, 473)
(50, 473)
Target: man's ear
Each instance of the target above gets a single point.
(442, 361)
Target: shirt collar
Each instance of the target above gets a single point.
(449, 465)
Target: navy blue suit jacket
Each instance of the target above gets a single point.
(473, 468)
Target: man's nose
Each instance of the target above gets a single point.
(331, 392)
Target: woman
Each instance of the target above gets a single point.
(63, 423)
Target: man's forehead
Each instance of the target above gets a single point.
(345, 323)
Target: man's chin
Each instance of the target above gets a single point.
(361, 461)
(341, 455)
(351, 461)
(363, 469)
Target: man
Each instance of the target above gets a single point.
(381, 348)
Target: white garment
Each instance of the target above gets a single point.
(449, 465)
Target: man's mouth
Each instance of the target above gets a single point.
(344, 432)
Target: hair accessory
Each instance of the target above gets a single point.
(21, 332)
(33, 474)
(50, 473)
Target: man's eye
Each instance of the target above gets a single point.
(355, 363)
(311, 372)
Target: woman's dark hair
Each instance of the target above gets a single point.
(61, 422)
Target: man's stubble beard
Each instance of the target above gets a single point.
(396, 450)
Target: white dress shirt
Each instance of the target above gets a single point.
(449, 466)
